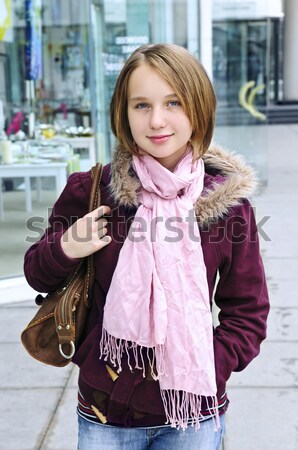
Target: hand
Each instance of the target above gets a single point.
(87, 235)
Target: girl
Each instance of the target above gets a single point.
(174, 233)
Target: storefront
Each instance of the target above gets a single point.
(84, 45)
(62, 90)
(247, 46)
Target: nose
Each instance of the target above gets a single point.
(157, 118)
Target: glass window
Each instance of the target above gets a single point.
(119, 27)
(84, 46)
(63, 92)
(246, 75)
(60, 102)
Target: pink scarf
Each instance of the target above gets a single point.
(158, 298)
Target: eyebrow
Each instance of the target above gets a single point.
(140, 98)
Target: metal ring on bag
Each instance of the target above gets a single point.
(73, 349)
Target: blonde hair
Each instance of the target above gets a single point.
(190, 82)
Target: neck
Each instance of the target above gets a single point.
(170, 162)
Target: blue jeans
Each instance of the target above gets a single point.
(93, 436)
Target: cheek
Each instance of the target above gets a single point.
(136, 123)
(186, 126)
(129, 117)
(183, 121)
(133, 128)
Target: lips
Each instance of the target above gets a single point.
(160, 138)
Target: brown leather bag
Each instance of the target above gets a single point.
(54, 333)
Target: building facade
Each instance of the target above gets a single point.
(84, 45)
(247, 47)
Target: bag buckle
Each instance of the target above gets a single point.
(72, 350)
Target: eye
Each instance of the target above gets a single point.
(174, 103)
(141, 106)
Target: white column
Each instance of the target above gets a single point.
(206, 35)
(193, 40)
(61, 179)
(1, 202)
(290, 50)
(28, 194)
(168, 17)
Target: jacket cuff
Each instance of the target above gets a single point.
(60, 260)
(223, 368)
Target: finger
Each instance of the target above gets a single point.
(97, 213)
(101, 223)
(103, 241)
(106, 240)
(103, 210)
(101, 232)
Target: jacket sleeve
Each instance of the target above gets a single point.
(46, 266)
(241, 295)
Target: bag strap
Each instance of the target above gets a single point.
(94, 202)
(64, 317)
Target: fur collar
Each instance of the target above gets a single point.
(233, 181)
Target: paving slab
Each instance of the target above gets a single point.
(282, 293)
(280, 247)
(14, 289)
(281, 269)
(276, 366)
(276, 231)
(21, 304)
(18, 370)
(264, 201)
(282, 324)
(262, 419)
(276, 238)
(14, 320)
(73, 379)
(63, 431)
(26, 415)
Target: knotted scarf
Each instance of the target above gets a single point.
(157, 306)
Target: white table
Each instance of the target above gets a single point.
(58, 170)
(79, 142)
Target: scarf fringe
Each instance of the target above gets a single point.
(184, 408)
(112, 348)
(181, 408)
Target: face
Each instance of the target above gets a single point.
(158, 124)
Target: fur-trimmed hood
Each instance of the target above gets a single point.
(228, 180)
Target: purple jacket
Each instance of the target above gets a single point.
(235, 274)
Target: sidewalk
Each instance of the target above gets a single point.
(39, 402)
(263, 411)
